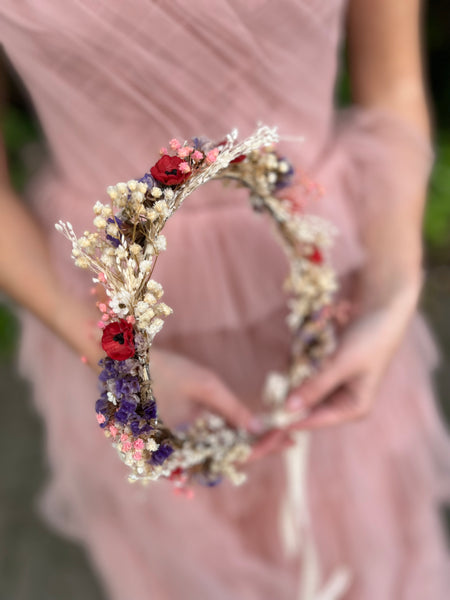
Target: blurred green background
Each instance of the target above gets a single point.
(39, 564)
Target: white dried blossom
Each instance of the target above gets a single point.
(111, 398)
(141, 307)
(283, 166)
(121, 201)
(215, 422)
(112, 229)
(168, 193)
(112, 192)
(132, 184)
(145, 266)
(145, 318)
(98, 207)
(135, 249)
(163, 309)
(121, 303)
(121, 252)
(156, 192)
(161, 243)
(151, 215)
(155, 288)
(161, 208)
(122, 187)
(107, 259)
(82, 262)
(150, 299)
(155, 327)
(100, 222)
(137, 196)
(276, 388)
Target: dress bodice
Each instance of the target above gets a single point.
(112, 81)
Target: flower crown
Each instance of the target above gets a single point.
(123, 251)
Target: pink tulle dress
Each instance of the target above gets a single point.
(111, 82)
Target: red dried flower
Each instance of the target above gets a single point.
(118, 340)
(316, 257)
(166, 170)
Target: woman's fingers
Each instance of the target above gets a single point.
(314, 390)
(350, 402)
(271, 442)
(211, 392)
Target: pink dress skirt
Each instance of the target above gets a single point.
(112, 82)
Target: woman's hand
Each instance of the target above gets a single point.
(177, 379)
(346, 388)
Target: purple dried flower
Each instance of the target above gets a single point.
(105, 408)
(113, 240)
(160, 455)
(109, 368)
(126, 411)
(102, 405)
(208, 479)
(149, 410)
(148, 179)
(127, 385)
(139, 426)
(284, 179)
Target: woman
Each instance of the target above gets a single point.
(111, 85)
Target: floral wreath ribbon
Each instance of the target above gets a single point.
(122, 252)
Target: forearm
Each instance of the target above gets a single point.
(386, 75)
(27, 276)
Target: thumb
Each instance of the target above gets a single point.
(317, 388)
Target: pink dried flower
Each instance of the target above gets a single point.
(184, 167)
(197, 155)
(174, 144)
(137, 455)
(126, 446)
(100, 418)
(163, 150)
(184, 152)
(139, 444)
(212, 155)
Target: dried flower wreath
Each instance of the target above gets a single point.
(123, 252)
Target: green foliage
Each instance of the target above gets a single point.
(19, 130)
(437, 217)
(9, 330)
